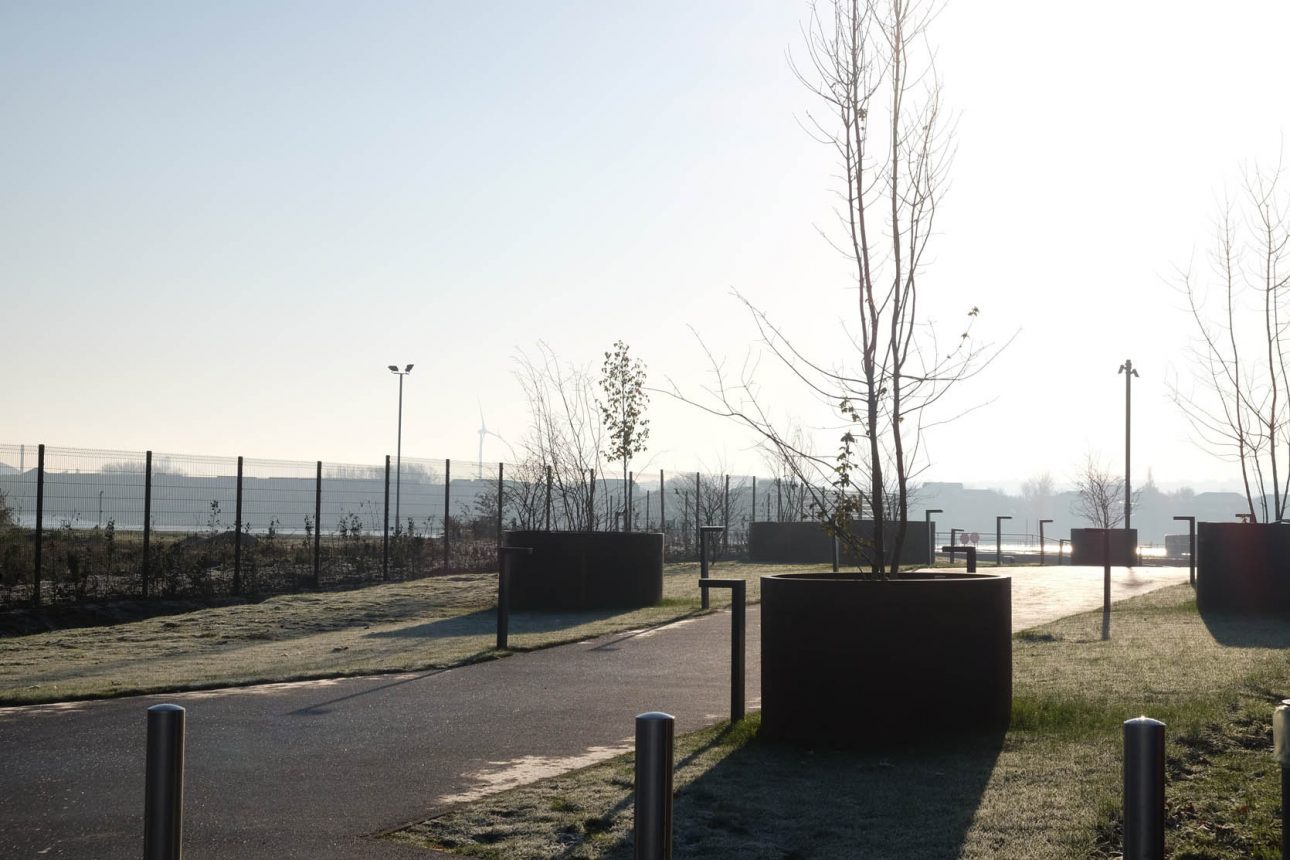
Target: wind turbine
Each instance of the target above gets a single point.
(484, 431)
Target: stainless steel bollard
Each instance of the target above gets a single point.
(163, 804)
(1144, 789)
(1281, 749)
(653, 827)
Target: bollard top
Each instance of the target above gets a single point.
(654, 717)
(165, 709)
(1281, 735)
(1142, 722)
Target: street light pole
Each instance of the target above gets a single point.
(931, 538)
(1041, 541)
(1129, 373)
(998, 540)
(398, 469)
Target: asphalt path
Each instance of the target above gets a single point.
(320, 769)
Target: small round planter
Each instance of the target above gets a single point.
(1243, 568)
(586, 570)
(858, 663)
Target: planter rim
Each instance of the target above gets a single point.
(846, 576)
(581, 532)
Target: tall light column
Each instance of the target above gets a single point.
(1129, 373)
(398, 469)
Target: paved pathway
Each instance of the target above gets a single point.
(314, 769)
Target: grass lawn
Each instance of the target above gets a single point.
(406, 626)
(1048, 788)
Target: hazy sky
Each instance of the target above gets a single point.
(219, 222)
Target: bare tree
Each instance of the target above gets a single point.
(564, 433)
(1037, 493)
(870, 68)
(1239, 403)
(1099, 496)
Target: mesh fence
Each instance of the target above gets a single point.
(110, 516)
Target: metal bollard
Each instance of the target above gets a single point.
(163, 803)
(1281, 749)
(653, 827)
(1144, 789)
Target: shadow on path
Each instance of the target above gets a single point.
(778, 800)
(484, 622)
(323, 707)
(1239, 630)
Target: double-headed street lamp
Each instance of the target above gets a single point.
(398, 469)
(1129, 373)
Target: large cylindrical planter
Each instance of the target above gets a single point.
(1089, 547)
(1243, 567)
(586, 570)
(859, 663)
(809, 543)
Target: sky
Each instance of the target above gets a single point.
(219, 223)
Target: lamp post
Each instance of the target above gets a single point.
(1041, 541)
(398, 468)
(998, 540)
(1129, 373)
(931, 538)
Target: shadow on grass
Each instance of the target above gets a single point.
(485, 622)
(1238, 630)
(780, 800)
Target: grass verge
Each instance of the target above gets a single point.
(1048, 788)
(406, 626)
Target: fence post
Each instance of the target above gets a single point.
(447, 500)
(237, 534)
(662, 511)
(1144, 789)
(40, 523)
(318, 527)
(628, 506)
(703, 560)
(591, 500)
(779, 501)
(163, 801)
(548, 498)
(147, 518)
(653, 825)
(725, 535)
(385, 532)
(698, 523)
(501, 502)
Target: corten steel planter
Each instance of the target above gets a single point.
(808, 543)
(923, 658)
(586, 570)
(1243, 567)
(1088, 547)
